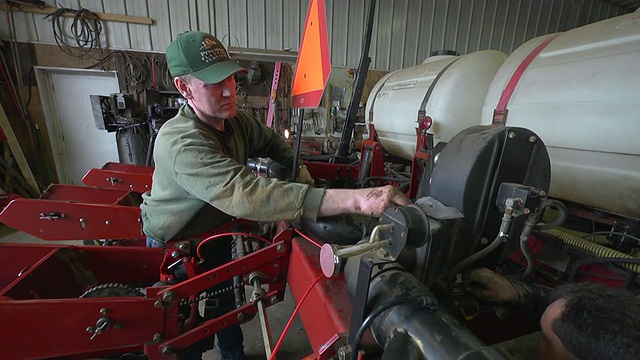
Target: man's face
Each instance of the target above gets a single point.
(213, 101)
(551, 347)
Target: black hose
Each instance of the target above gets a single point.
(562, 214)
(419, 300)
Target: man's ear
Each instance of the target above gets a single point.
(182, 87)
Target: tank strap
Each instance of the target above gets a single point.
(500, 112)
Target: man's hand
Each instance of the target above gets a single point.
(489, 285)
(304, 177)
(376, 200)
(371, 201)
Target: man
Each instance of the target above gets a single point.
(583, 321)
(200, 179)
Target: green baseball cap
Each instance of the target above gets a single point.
(201, 55)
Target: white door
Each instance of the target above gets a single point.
(77, 144)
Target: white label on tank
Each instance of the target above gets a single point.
(430, 72)
(405, 85)
(383, 95)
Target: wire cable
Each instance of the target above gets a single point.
(574, 268)
(613, 233)
(306, 237)
(83, 33)
(293, 316)
(419, 300)
(217, 236)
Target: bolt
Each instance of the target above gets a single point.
(183, 246)
(169, 296)
(484, 241)
(274, 300)
(526, 211)
(512, 134)
(158, 304)
(90, 329)
(175, 254)
(104, 311)
(117, 326)
(276, 265)
(281, 248)
(533, 139)
(167, 350)
(107, 222)
(240, 317)
(344, 352)
(157, 337)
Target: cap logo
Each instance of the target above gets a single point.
(211, 50)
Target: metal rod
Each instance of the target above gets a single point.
(264, 326)
(298, 134)
(361, 76)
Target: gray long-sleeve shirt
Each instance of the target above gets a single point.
(200, 179)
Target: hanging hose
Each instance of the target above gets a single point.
(502, 235)
(524, 237)
(562, 214)
(596, 249)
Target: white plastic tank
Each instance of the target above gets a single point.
(581, 95)
(449, 89)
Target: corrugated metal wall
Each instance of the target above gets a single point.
(405, 31)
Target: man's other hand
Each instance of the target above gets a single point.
(304, 177)
(491, 286)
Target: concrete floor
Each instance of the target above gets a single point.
(295, 346)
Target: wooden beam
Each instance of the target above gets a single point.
(14, 145)
(102, 16)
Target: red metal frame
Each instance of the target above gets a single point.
(39, 291)
(321, 170)
(120, 176)
(68, 212)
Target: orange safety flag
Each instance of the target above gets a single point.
(314, 63)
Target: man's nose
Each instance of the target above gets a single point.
(228, 88)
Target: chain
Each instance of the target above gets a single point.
(209, 294)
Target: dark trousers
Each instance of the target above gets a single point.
(216, 253)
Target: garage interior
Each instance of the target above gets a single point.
(477, 111)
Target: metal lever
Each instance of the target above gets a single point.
(52, 215)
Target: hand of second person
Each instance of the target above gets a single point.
(376, 200)
(491, 286)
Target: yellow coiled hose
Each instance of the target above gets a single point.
(593, 248)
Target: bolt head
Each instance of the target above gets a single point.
(90, 329)
(512, 134)
(167, 350)
(533, 138)
(276, 265)
(175, 254)
(183, 246)
(107, 222)
(281, 248)
(104, 311)
(158, 304)
(157, 337)
(274, 300)
(169, 296)
(240, 317)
